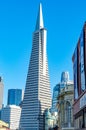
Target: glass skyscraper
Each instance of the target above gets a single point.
(37, 96)
(1, 92)
(56, 91)
(14, 97)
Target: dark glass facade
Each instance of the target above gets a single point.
(1, 92)
(79, 65)
(79, 69)
(14, 97)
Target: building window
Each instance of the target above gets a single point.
(68, 108)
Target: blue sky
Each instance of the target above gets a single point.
(63, 20)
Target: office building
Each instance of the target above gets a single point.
(79, 69)
(1, 92)
(37, 96)
(64, 76)
(14, 97)
(11, 115)
(53, 110)
(56, 91)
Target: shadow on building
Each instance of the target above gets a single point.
(41, 118)
(55, 128)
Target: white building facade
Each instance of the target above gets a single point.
(37, 96)
(11, 115)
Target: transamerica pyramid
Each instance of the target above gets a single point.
(37, 96)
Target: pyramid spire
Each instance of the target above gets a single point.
(37, 88)
(39, 23)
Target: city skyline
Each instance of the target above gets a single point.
(64, 21)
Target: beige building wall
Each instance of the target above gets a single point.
(65, 106)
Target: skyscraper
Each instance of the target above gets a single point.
(1, 92)
(11, 115)
(37, 96)
(56, 91)
(65, 76)
(14, 97)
